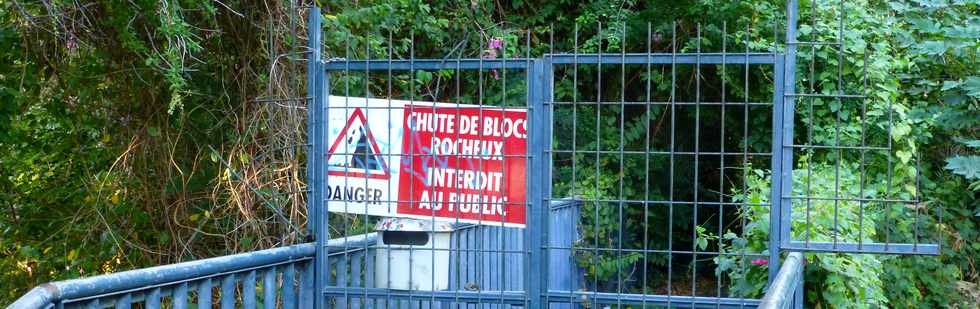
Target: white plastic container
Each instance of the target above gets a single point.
(412, 254)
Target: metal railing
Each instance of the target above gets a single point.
(785, 291)
(477, 273)
(270, 278)
(283, 277)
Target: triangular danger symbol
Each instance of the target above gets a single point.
(357, 153)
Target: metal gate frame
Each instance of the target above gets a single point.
(540, 74)
(540, 84)
(786, 90)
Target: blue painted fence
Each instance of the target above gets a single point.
(247, 280)
(485, 260)
(283, 277)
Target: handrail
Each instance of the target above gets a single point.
(783, 289)
(47, 294)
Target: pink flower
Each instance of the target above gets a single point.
(760, 262)
(491, 53)
(495, 43)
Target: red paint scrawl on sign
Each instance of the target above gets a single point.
(465, 163)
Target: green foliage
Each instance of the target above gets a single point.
(837, 280)
(968, 166)
(747, 280)
(948, 280)
(109, 111)
(940, 83)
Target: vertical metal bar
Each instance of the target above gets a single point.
(248, 290)
(153, 299)
(697, 155)
(342, 279)
(411, 100)
(838, 148)
(673, 137)
(780, 202)
(504, 282)
(776, 215)
(204, 294)
(269, 288)
(313, 44)
(306, 293)
(318, 91)
(547, 121)
(788, 66)
(180, 296)
(355, 269)
(915, 197)
(391, 53)
(721, 170)
(124, 301)
(575, 185)
(455, 267)
(369, 275)
(355, 277)
(646, 165)
(341, 261)
(598, 173)
(864, 111)
(549, 98)
(477, 276)
(536, 204)
(228, 292)
(810, 125)
(289, 287)
(745, 143)
(622, 169)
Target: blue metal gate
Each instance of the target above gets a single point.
(547, 263)
(573, 251)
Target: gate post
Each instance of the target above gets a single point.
(539, 97)
(317, 88)
(783, 113)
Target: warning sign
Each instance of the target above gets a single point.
(453, 162)
(357, 151)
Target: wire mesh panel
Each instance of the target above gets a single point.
(444, 145)
(837, 112)
(640, 167)
(667, 144)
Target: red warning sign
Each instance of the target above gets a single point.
(465, 163)
(451, 162)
